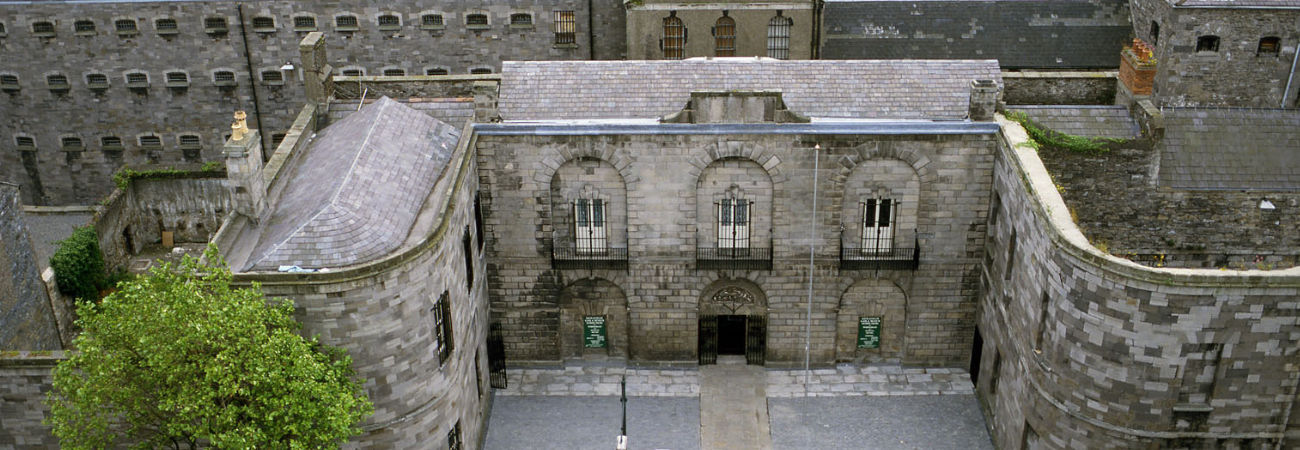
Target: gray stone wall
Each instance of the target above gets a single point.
(645, 27)
(380, 312)
(26, 318)
(189, 204)
(1093, 351)
(665, 292)
(1042, 87)
(25, 378)
(1236, 74)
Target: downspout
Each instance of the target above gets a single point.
(252, 79)
(591, 30)
(812, 248)
(1291, 77)
(817, 29)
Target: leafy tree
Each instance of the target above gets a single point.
(179, 359)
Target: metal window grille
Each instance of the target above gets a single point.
(111, 142)
(83, 26)
(223, 76)
(272, 76)
(177, 77)
(189, 141)
(778, 37)
(394, 72)
(71, 143)
(674, 42)
(137, 78)
(389, 22)
(453, 438)
(43, 27)
(436, 71)
(480, 71)
(354, 73)
(521, 19)
(1207, 44)
(125, 26)
(304, 22)
(57, 81)
(9, 80)
(878, 226)
(345, 21)
(97, 79)
(263, 23)
(441, 312)
(476, 20)
(589, 226)
(1269, 46)
(724, 36)
(213, 24)
(566, 28)
(165, 25)
(24, 141)
(431, 20)
(733, 223)
(150, 141)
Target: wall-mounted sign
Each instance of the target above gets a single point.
(869, 332)
(593, 332)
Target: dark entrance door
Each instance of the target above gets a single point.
(975, 354)
(731, 335)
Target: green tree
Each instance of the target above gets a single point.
(179, 359)
(79, 266)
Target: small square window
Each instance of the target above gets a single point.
(1207, 44)
(1269, 46)
(476, 21)
(394, 72)
(43, 29)
(354, 73)
(126, 26)
(389, 22)
(9, 83)
(215, 25)
(480, 71)
(167, 26)
(57, 82)
(304, 23)
(151, 142)
(263, 24)
(276, 139)
(177, 79)
(345, 23)
(84, 27)
(111, 143)
(432, 22)
(223, 78)
(72, 144)
(436, 71)
(25, 142)
(97, 81)
(273, 77)
(137, 80)
(522, 20)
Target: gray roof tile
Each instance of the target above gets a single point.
(1231, 149)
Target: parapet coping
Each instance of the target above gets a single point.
(1066, 235)
(651, 126)
(32, 358)
(415, 78)
(1059, 74)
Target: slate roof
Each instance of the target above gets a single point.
(1231, 149)
(1018, 33)
(900, 89)
(1091, 121)
(355, 194)
(453, 111)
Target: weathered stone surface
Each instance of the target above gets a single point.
(26, 319)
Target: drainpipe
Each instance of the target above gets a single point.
(817, 29)
(591, 30)
(1291, 77)
(252, 78)
(812, 248)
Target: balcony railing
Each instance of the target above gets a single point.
(599, 259)
(747, 258)
(858, 257)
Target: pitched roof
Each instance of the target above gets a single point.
(894, 89)
(356, 192)
(1231, 149)
(1083, 120)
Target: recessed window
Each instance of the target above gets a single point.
(215, 25)
(674, 41)
(111, 143)
(389, 22)
(72, 144)
(177, 79)
(431, 22)
(57, 82)
(189, 141)
(1155, 33)
(272, 77)
(480, 71)
(589, 226)
(191, 148)
(566, 28)
(276, 139)
(441, 317)
(394, 72)
(9, 82)
(151, 142)
(467, 247)
(84, 27)
(126, 26)
(43, 28)
(304, 23)
(263, 24)
(354, 72)
(166, 26)
(25, 142)
(733, 221)
(137, 80)
(1269, 46)
(476, 20)
(1207, 44)
(521, 20)
(724, 36)
(97, 81)
(436, 71)
(223, 78)
(345, 23)
(778, 36)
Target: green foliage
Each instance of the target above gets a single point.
(1043, 137)
(122, 178)
(178, 358)
(79, 265)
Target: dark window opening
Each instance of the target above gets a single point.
(389, 22)
(223, 76)
(521, 19)
(83, 26)
(263, 24)
(272, 76)
(1155, 33)
(441, 312)
(467, 245)
(43, 28)
(476, 20)
(480, 71)
(166, 26)
(436, 71)
(453, 438)
(137, 79)
(57, 82)
(1207, 44)
(1011, 256)
(394, 72)
(215, 25)
(126, 26)
(1269, 46)
(566, 28)
(25, 142)
(478, 221)
(72, 143)
(431, 21)
(111, 142)
(345, 22)
(304, 23)
(354, 73)
(151, 142)
(276, 139)
(177, 78)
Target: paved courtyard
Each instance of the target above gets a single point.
(847, 407)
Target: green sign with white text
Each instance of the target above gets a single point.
(593, 331)
(869, 332)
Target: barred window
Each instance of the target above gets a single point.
(724, 36)
(223, 76)
(1269, 46)
(215, 24)
(440, 315)
(436, 71)
(877, 225)
(566, 28)
(189, 141)
(347, 22)
(72, 144)
(431, 21)
(389, 22)
(778, 37)
(304, 23)
(589, 226)
(354, 72)
(1207, 44)
(674, 41)
(25, 142)
(521, 19)
(177, 78)
(394, 72)
(476, 20)
(166, 26)
(84, 26)
(57, 81)
(43, 28)
(263, 24)
(272, 77)
(96, 80)
(733, 221)
(126, 26)
(137, 79)
(153, 142)
(111, 142)
(480, 71)
(9, 82)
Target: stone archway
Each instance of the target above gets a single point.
(584, 303)
(867, 299)
(732, 321)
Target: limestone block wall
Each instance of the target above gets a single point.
(380, 312)
(930, 311)
(26, 317)
(25, 378)
(189, 204)
(1044, 87)
(1085, 350)
(645, 27)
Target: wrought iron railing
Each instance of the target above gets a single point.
(566, 257)
(745, 258)
(859, 257)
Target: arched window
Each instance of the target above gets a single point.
(304, 23)
(733, 219)
(346, 22)
(1269, 46)
(476, 21)
(877, 225)
(394, 72)
(674, 41)
(778, 37)
(436, 71)
(589, 223)
(215, 25)
(390, 22)
(166, 26)
(263, 24)
(521, 19)
(724, 36)
(84, 27)
(1207, 44)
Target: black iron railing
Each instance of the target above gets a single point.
(589, 259)
(859, 257)
(747, 258)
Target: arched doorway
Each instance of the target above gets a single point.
(733, 321)
(871, 322)
(593, 320)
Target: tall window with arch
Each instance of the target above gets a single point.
(778, 36)
(724, 36)
(674, 41)
(733, 220)
(589, 223)
(878, 225)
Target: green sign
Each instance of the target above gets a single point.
(593, 331)
(869, 332)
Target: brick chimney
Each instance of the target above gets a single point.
(244, 180)
(983, 100)
(1137, 72)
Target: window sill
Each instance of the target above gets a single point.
(522, 27)
(304, 30)
(60, 90)
(390, 28)
(223, 83)
(565, 46)
(127, 34)
(1193, 408)
(73, 149)
(433, 27)
(45, 35)
(27, 149)
(347, 29)
(273, 83)
(10, 89)
(98, 87)
(178, 85)
(478, 27)
(85, 33)
(137, 86)
(168, 32)
(264, 30)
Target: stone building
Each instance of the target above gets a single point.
(660, 29)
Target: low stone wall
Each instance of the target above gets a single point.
(1046, 87)
(424, 86)
(188, 202)
(25, 378)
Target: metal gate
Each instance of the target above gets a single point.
(756, 340)
(496, 356)
(708, 339)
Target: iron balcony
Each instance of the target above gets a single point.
(744, 258)
(858, 257)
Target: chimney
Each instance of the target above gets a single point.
(983, 100)
(485, 101)
(244, 180)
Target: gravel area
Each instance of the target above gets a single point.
(931, 422)
(573, 422)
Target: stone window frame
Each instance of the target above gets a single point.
(276, 77)
(191, 146)
(216, 25)
(84, 27)
(481, 70)
(300, 25)
(111, 143)
(71, 143)
(10, 82)
(166, 26)
(218, 81)
(428, 70)
(724, 45)
(1269, 46)
(149, 141)
(433, 20)
(674, 37)
(440, 325)
(44, 28)
(473, 15)
(779, 31)
(1207, 43)
(384, 21)
(390, 71)
(263, 23)
(522, 20)
(565, 28)
(126, 26)
(100, 82)
(136, 83)
(176, 78)
(58, 82)
(25, 142)
(358, 71)
(346, 22)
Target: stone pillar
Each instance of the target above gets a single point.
(485, 101)
(243, 154)
(983, 100)
(315, 69)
